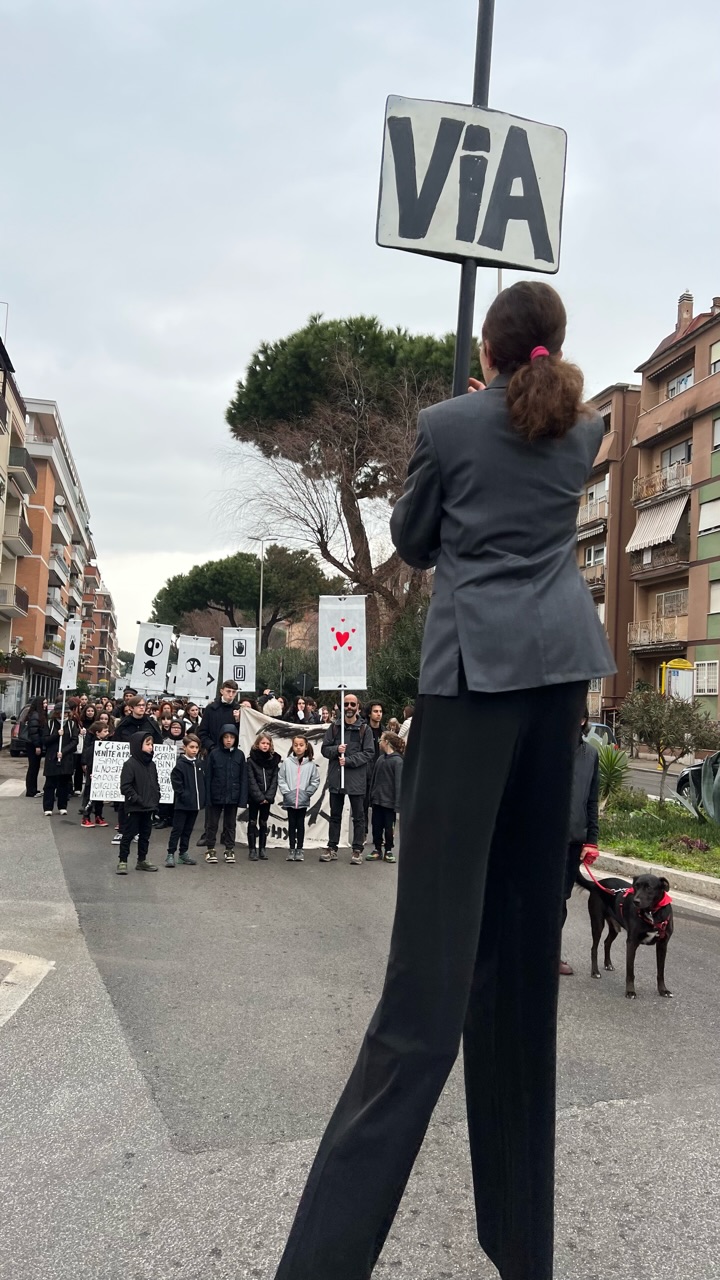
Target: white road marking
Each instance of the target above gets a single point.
(12, 787)
(26, 974)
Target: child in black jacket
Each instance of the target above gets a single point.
(188, 783)
(263, 768)
(385, 796)
(226, 790)
(92, 810)
(141, 795)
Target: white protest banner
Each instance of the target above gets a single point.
(71, 659)
(341, 643)
(318, 812)
(466, 182)
(239, 646)
(171, 678)
(193, 653)
(151, 658)
(211, 675)
(108, 760)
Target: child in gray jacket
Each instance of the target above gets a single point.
(298, 780)
(385, 796)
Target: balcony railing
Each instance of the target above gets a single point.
(54, 650)
(592, 512)
(18, 535)
(21, 465)
(3, 411)
(59, 566)
(656, 631)
(14, 602)
(663, 482)
(594, 575)
(668, 556)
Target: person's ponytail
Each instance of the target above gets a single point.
(525, 330)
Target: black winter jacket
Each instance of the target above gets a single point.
(214, 717)
(138, 780)
(263, 770)
(226, 775)
(129, 726)
(64, 765)
(359, 757)
(188, 783)
(386, 779)
(34, 730)
(584, 826)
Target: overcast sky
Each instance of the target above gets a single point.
(183, 179)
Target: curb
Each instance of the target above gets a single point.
(690, 882)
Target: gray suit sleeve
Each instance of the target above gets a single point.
(415, 522)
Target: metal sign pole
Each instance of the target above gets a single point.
(468, 272)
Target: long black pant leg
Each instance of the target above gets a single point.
(131, 828)
(213, 813)
(144, 827)
(337, 802)
(31, 777)
(572, 863)
(372, 1140)
(357, 809)
(190, 816)
(229, 827)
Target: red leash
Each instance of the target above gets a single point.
(597, 883)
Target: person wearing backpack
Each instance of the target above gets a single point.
(350, 748)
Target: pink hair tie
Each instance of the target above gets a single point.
(538, 351)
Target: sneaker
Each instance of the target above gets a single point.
(144, 865)
(329, 855)
(116, 839)
(87, 822)
(299, 855)
(136, 839)
(291, 856)
(170, 860)
(187, 860)
(121, 869)
(356, 860)
(230, 856)
(211, 856)
(100, 822)
(375, 856)
(48, 813)
(62, 811)
(263, 856)
(389, 857)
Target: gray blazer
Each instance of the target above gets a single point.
(497, 516)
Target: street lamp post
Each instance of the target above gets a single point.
(262, 580)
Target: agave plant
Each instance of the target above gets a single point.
(704, 801)
(614, 767)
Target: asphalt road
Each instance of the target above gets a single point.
(164, 1087)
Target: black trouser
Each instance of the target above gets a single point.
(572, 863)
(213, 813)
(258, 815)
(59, 786)
(383, 826)
(88, 805)
(182, 829)
(136, 824)
(296, 828)
(475, 955)
(33, 769)
(78, 774)
(357, 807)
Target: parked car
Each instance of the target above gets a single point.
(18, 742)
(695, 772)
(601, 735)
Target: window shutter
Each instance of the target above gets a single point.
(709, 516)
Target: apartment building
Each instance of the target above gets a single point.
(99, 647)
(18, 482)
(605, 522)
(674, 549)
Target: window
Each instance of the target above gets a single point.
(715, 357)
(601, 611)
(647, 555)
(680, 383)
(672, 604)
(716, 433)
(678, 453)
(595, 555)
(595, 685)
(706, 678)
(709, 516)
(715, 597)
(597, 491)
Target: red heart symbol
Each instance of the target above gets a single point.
(342, 637)
(335, 647)
(342, 619)
(349, 648)
(353, 631)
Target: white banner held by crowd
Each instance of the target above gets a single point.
(211, 675)
(151, 658)
(341, 643)
(71, 658)
(239, 646)
(108, 760)
(193, 653)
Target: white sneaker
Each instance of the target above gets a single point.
(63, 811)
(48, 813)
(116, 838)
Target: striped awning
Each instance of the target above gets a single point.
(658, 524)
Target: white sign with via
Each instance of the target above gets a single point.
(466, 182)
(239, 645)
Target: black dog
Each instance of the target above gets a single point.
(643, 909)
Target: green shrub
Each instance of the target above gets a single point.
(627, 800)
(613, 771)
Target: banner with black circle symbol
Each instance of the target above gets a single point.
(239, 657)
(151, 658)
(192, 667)
(71, 658)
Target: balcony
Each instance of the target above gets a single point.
(17, 535)
(75, 589)
(592, 513)
(52, 651)
(662, 483)
(661, 562)
(3, 413)
(62, 527)
(23, 470)
(594, 575)
(659, 633)
(59, 570)
(683, 407)
(54, 608)
(14, 602)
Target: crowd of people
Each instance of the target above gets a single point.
(212, 776)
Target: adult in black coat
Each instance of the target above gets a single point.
(298, 713)
(217, 714)
(61, 741)
(138, 721)
(226, 788)
(141, 793)
(352, 746)
(35, 727)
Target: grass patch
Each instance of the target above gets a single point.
(634, 827)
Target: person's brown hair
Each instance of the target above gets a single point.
(396, 742)
(135, 702)
(191, 737)
(308, 752)
(544, 395)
